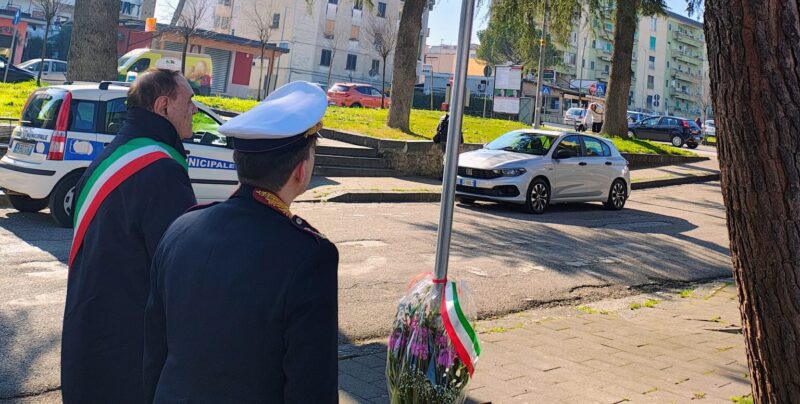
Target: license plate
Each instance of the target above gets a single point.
(467, 182)
(22, 148)
(332, 103)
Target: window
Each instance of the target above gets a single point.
(330, 25)
(351, 62)
(669, 27)
(667, 64)
(630, 98)
(354, 31)
(364, 90)
(651, 83)
(595, 148)
(652, 43)
(81, 116)
(649, 101)
(609, 27)
(650, 121)
(594, 43)
(325, 58)
(33, 67)
(204, 131)
(605, 68)
(140, 65)
(374, 92)
(583, 62)
(651, 62)
(382, 10)
(573, 38)
(376, 65)
(653, 24)
(569, 147)
(276, 20)
(569, 58)
(358, 5)
(591, 65)
(116, 110)
(59, 67)
(333, 1)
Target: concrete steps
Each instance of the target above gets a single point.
(339, 171)
(337, 159)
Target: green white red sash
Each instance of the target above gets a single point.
(125, 161)
(459, 329)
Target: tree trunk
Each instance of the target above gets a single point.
(183, 53)
(755, 84)
(261, 73)
(93, 48)
(615, 122)
(271, 72)
(383, 84)
(330, 68)
(44, 52)
(178, 11)
(404, 73)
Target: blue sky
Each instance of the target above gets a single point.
(445, 17)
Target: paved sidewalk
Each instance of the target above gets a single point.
(414, 189)
(679, 350)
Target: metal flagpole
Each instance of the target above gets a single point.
(454, 140)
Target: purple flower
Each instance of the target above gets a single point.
(419, 343)
(445, 358)
(443, 341)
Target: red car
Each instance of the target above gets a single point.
(356, 95)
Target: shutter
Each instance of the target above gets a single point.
(173, 46)
(221, 61)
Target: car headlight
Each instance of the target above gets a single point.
(510, 172)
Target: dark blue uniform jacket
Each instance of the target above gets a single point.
(242, 309)
(108, 283)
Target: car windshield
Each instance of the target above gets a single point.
(42, 109)
(122, 61)
(523, 142)
(574, 111)
(340, 88)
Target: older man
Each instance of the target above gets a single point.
(125, 201)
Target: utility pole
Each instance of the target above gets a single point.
(537, 115)
(583, 54)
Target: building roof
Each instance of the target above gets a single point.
(685, 20)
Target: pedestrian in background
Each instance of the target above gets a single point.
(596, 114)
(125, 201)
(243, 303)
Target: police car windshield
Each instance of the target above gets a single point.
(42, 109)
(523, 142)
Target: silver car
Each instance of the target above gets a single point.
(536, 168)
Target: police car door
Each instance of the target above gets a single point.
(210, 159)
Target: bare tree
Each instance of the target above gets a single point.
(334, 39)
(193, 13)
(703, 94)
(50, 9)
(93, 48)
(383, 34)
(262, 22)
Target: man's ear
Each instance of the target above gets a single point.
(160, 106)
(300, 171)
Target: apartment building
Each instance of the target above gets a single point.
(669, 66)
(325, 38)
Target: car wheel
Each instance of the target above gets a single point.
(62, 198)
(617, 195)
(25, 203)
(355, 105)
(677, 141)
(538, 196)
(465, 200)
(692, 145)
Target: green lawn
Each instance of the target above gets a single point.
(369, 122)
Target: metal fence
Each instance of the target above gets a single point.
(474, 107)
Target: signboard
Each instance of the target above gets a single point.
(17, 15)
(600, 90)
(507, 89)
(549, 75)
(545, 90)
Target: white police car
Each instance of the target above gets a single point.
(63, 128)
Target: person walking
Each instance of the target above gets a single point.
(124, 202)
(597, 113)
(243, 302)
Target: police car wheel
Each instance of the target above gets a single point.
(61, 199)
(25, 203)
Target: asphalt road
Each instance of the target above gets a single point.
(511, 261)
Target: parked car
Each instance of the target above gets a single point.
(709, 128)
(536, 168)
(54, 71)
(15, 74)
(573, 115)
(635, 116)
(356, 95)
(678, 131)
(63, 128)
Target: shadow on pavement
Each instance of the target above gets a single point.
(23, 349)
(39, 230)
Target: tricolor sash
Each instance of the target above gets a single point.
(123, 163)
(459, 329)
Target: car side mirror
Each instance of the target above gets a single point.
(564, 154)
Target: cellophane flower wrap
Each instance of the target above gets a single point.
(433, 347)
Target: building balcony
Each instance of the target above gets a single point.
(683, 94)
(687, 57)
(604, 56)
(684, 76)
(688, 38)
(602, 75)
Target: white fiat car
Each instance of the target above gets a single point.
(63, 128)
(536, 168)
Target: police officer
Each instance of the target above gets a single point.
(123, 204)
(243, 304)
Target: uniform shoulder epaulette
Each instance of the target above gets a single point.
(300, 223)
(201, 206)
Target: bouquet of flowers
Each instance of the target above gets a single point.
(433, 346)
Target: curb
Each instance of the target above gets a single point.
(675, 181)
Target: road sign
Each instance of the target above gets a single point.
(600, 90)
(545, 90)
(655, 103)
(17, 17)
(656, 97)
(487, 71)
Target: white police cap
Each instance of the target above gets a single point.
(291, 113)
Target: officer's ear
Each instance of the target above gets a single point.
(160, 105)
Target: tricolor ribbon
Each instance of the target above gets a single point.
(458, 328)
